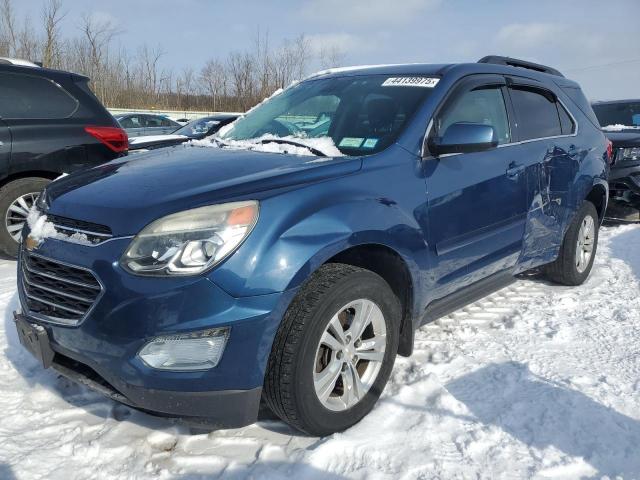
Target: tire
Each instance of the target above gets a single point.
(9, 194)
(290, 389)
(565, 270)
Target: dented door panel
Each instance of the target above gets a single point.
(562, 181)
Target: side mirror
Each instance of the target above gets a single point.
(465, 138)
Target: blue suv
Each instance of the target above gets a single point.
(291, 257)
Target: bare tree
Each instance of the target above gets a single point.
(28, 43)
(149, 70)
(290, 61)
(242, 77)
(331, 56)
(8, 33)
(98, 35)
(140, 79)
(213, 78)
(52, 16)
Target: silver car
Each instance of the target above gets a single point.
(142, 124)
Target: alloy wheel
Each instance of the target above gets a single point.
(16, 215)
(349, 355)
(584, 248)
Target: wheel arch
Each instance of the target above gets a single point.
(391, 266)
(48, 174)
(396, 269)
(599, 196)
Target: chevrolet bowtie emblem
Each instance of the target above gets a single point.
(31, 243)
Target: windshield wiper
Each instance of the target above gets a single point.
(315, 151)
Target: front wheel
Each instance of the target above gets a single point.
(334, 351)
(578, 250)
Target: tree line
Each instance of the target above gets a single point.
(138, 79)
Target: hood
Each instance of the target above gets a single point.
(128, 194)
(625, 138)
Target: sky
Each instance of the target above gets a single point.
(591, 41)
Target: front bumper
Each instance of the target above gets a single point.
(624, 193)
(101, 352)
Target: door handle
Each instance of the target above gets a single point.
(514, 170)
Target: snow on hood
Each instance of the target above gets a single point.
(260, 144)
(619, 127)
(41, 229)
(155, 138)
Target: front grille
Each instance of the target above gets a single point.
(58, 292)
(95, 232)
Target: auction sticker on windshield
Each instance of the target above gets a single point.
(428, 82)
(351, 142)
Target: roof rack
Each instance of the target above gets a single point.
(515, 62)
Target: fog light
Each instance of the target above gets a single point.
(192, 351)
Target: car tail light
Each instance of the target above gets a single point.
(610, 151)
(113, 137)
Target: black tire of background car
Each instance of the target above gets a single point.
(564, 269)
(288, 389)
(8, 194)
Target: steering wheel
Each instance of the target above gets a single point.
(278, 128)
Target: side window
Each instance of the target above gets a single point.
(576, 95)
(133, 121)
(537, 113)
(481, 105)
(153, 121)
(32, 97)
(566, 122)
(126, 122)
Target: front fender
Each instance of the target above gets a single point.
(301, 230)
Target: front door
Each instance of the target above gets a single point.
(477, 201)
(5, 148)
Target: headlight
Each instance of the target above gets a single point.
(630, 154)
(190, 242)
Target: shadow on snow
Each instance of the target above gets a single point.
(543, 414)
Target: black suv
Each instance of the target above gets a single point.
(50, 123)
(620, 119)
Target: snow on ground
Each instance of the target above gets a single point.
(533, 381)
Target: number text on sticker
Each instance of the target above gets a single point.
(428, 82)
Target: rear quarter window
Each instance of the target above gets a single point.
(576, 95)
(567, 123)
(32, 97)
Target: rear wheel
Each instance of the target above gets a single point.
(16, 199)
(334, 350)
(578, 249)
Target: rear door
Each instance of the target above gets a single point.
(477, 201)
(168, 126)
(156, 125)
(545, 132)
(45, 133)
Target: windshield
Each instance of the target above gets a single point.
(618, 114)
(197, 127)
(359, 115)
